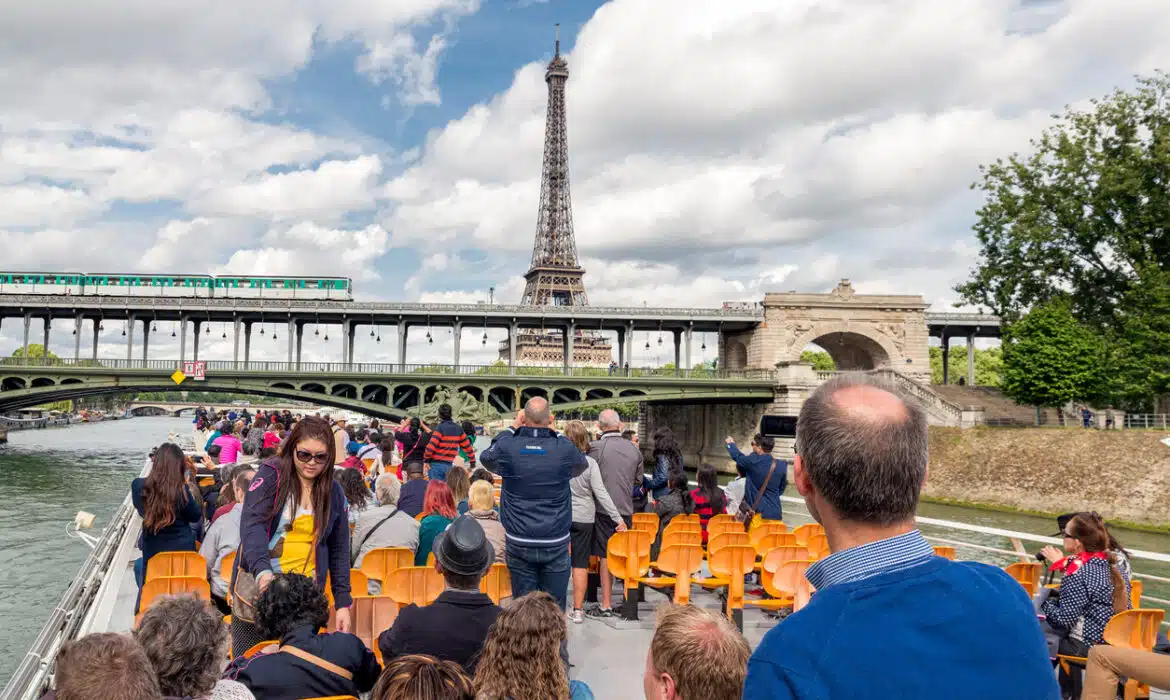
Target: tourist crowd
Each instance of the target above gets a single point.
(889, 618)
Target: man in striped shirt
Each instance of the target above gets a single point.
(446, 441)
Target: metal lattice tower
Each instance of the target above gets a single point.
(555, 277)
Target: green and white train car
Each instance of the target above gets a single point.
(188, 286)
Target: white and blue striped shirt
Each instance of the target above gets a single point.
(868, 560)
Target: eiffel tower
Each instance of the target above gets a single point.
(555, 276)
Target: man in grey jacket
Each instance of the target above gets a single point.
(621, 466)
(223, 538)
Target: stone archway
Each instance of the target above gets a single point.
(853, 351)
(737, 356)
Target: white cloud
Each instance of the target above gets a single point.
(308, 249)
(327, 191)
(40, 205)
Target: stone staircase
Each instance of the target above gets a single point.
(997, 408)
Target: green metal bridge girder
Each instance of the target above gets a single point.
(390, 395)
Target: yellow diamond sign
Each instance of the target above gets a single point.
(178, 376)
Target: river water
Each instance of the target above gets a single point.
(46, 476)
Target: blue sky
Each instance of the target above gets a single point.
(717, 150)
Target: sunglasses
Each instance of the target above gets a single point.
(310, 458)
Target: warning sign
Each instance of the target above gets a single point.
(195, 370)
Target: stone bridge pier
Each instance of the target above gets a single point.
(701, 427)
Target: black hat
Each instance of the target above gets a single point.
(463, 548)
(1062, 522)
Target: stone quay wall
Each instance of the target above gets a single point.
(1121, 474)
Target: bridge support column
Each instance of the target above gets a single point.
(690, 337)
(350, 333)
(678, 365)
(146, 341)
(457, 337)
(293, 341)
(182, 338)
(971, 359)
(97, 329)
(27, 323)
(77, 338)
(629, 347)
(236, 339)
(513, 333)
(621, 338)
(570, 331)
(946, 358)
(345, 340)
(129, 339)
(300, 342)
(247, 342)
(196, 326)
(403, 332)
(45, 342)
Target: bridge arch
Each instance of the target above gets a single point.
(12, 384)
(852, 348)
(737, 355)
(566, 394)
(39, 382)
(346, 391)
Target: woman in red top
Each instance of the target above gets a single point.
(709, 498)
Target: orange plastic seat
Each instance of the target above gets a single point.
(206, 481)
(628, 557)
(371, 616)
(693, 518)
(682, 537)
(945, 552)
(682, 560)
(335, 697)
(1128, 629)
(781, 580)
(720, 518)
(806, 531)
(419, 585)
(776, 557)
(359, 583)
(378, 564)
(767, 543)
(767, 528)
(497, 583)
(820, 554)
(714, 544)
(172, 585)
(176, 564)
(676, 525)
(718, 527)
(1028, 574)
(225, 572)
(262, 647)
(816, 542)
(731, 563)
(1135, 594)
(642, 521)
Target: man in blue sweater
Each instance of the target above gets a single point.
(889, 619)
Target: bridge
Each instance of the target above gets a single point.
(142, 408)
(381, 390)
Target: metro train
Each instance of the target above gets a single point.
(190, 286)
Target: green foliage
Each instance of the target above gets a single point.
(62, 406)
(36, 351)
(820, 360)
(988, 365)
(1050, 359)
(1085, 217)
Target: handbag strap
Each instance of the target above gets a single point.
(760, 495)
(375, 528)
(316, 661)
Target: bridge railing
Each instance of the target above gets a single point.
(376, 368)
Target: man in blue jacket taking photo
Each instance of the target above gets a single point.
(536, 507)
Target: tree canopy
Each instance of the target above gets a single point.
(35, 351)
(1050, 359)
(1085, 217)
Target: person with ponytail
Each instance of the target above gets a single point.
(1091, 592)
(710, 500)
(294, 521)
(168, 504)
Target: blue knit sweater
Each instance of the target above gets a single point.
(955, 630)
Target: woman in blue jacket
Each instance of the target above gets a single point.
(168, 505)
(295, 522)
(667, 459)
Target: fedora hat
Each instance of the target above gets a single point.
(463, 548)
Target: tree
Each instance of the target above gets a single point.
(1050, 359)
(988, 365)
(36, 351)
(1086, 217)
(820, 360)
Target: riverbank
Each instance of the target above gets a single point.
(1122, 474)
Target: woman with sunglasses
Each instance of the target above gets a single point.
(294, 521)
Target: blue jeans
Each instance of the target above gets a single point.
(438, 471)
(539, 569)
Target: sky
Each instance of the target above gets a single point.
(718, 150)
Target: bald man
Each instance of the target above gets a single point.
(890, 619)
(536, 507)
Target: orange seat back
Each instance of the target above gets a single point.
(721, 519)
(359, 583)
(816, 542)
(820, 554)
(804, 591)
(682, 560)
(714, 544)
(766, 528)
(1134, 629)
(1028, 574)
(733, 561)
(774, 540)
(259, 647)
(777, 557)
(693, 518)
(647, 522)
(372, 615)
(806, 531)
(628, 555)
(715, 528)
(378, 564)
(172, 585)
(945, 552)
(419, 585)
(681, 537)
(497, 583)
(176, 564)
(1135, 594)
(785, 580)
(676, 525)
(225, 566)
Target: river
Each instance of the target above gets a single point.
(48, 475)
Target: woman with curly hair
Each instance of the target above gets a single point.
(521, 657)
(186, 641)
(667, 459)
(293, 521)
(169, 506)
(304, 664)
(421, 677)
(357, 494)
(438, 512)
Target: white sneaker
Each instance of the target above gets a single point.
(578, 616)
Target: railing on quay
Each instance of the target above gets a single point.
(1148, 421)
(260, 366)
